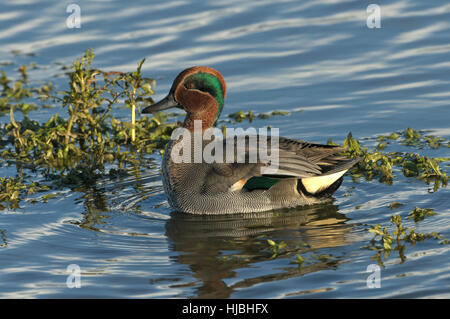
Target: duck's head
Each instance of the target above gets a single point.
(198, 90)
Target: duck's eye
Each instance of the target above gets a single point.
(190, 85)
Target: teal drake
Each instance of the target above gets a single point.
(306, 173)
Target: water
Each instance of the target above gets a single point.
(314, 56)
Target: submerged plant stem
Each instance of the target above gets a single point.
(70, 124)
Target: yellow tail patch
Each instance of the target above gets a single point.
(319, 183)
(238, 185)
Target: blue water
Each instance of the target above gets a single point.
(316, 59)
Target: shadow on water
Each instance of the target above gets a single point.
(216, 248)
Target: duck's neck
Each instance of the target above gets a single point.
(205, 121)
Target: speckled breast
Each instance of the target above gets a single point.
(166, 167)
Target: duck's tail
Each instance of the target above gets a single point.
(327, 183)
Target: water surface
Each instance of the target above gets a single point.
(316, 59)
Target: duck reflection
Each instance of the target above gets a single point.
(219, 249)
(216, 247)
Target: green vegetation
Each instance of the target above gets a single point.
(240, 116)
(419, 214)
(89, 142)
(276, 247)
(273, 113)
(11, 188)
(378, 164)
(17, 94)
(395, 205)
(299, 260)
(412, 137)
(383, 240)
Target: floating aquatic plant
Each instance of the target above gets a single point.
(412, 137)
(373, 163)
(11, 189)
(276, 247)
(419, 214)
(299, 260)
(383, 240)
(378, 164)
(17, 94)
(79, 149)
(240, 116)
(395, 205)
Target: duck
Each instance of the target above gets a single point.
(305, 173)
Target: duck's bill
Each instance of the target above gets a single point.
(166, 103)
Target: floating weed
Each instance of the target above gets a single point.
(299, 260)
(330, 142)
(434, 142)
(276, 247)
(76, 151)
(386, 238)
(411, 137)
(11, 189)
(46, 197)
(373, 163)
(18, 52)
(17, 94)
(422, 167)
(381, 146)
(419, 214)
(395, 205)
(400, 236)
(312, 259)
(378, 164)
(283, 113)
(240, 116)
(392, 136)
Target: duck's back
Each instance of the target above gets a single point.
(226, 188)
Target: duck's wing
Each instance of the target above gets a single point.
(285, 158)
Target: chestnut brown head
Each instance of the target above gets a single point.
(200, 91)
